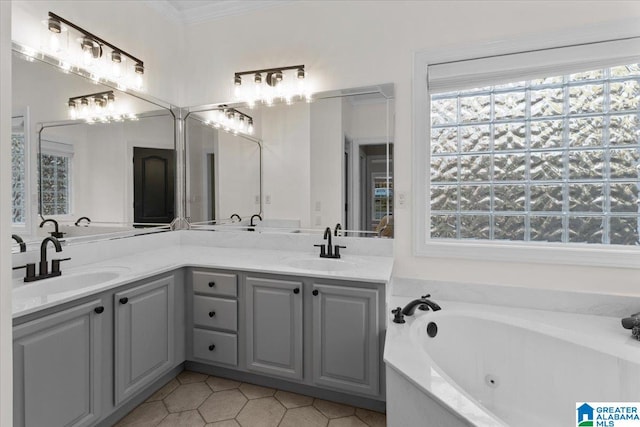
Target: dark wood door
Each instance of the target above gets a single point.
(153, 185)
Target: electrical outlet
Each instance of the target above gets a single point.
(267, 199)
(257, 202)
(318, 220)
(402, 199)
(318, 207)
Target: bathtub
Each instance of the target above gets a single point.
(501, 366)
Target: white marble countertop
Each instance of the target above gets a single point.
(93, 278)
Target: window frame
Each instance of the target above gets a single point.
(25, 229)
(63, 149)
(488, 250)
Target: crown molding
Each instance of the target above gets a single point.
(211, 10)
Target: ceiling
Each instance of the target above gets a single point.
(195, 11)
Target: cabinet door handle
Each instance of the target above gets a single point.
(212, 313)
(99, 310)
(296, 291)
(211, 347)
(315, 292)
(212, 284)
(124, 300)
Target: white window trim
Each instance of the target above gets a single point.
(536, 252)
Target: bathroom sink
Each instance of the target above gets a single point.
(67, 283)
(322, 264)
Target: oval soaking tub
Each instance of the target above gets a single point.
(499, 366)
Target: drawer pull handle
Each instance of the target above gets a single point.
(211, 347)
(315, 292)
(212, 313)
(99, 310)
(124, 300)
(212, 284)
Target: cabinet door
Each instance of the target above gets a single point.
(274, 327)
(56, 368)
(143, 336)
(345, 338)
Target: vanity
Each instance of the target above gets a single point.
(190, 248)
(208, 302)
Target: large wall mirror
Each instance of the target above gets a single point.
(323, 163)
(94, 175)
(223, 176)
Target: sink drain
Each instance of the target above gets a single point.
(491, 380)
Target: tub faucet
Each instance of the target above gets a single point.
(423, 303)
(56, 233)
(632, 322)
(18, 239)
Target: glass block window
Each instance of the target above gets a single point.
(56, 183)
(18, 184)
(553, 159)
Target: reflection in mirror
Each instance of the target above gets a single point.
(327, 162)
(223, 177)
(118, 172)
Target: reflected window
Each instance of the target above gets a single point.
(55, 166)
(552, 159)
(18, 172)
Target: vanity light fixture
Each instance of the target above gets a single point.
(101, 59)
(97, 107)
(232, 121)
(283, 84)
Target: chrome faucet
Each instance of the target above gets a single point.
(56, 233)
(18, 239)
(328, 250)
(77, 224)
(422, 303)
(632, 322)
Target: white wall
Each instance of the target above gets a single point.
(6, 366)
(326, 162)
(238, 176)
(286, 175)
(350, 44)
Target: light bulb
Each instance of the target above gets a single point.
(54, 42)
(116, 64)
(250, 127)
(138, 82)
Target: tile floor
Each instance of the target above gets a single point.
(198, 400)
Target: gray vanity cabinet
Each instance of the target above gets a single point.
(346, 338)
(144, 335)
(274, 326)
(57, 368)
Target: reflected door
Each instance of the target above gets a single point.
(153, 185)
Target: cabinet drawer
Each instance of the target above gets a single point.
(215, 283)
(215, 312)
(214, 346)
